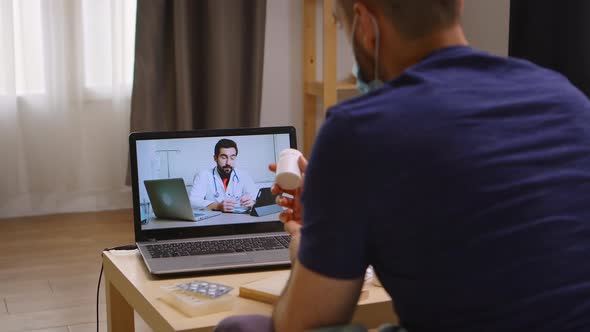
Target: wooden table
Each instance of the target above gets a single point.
(129, 287)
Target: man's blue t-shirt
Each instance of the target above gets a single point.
(465, 182)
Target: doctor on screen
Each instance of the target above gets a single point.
(223, 187)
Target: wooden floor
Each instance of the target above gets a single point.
(49, 269)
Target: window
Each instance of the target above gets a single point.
(109, 32)
(103, 52)
(28, 47)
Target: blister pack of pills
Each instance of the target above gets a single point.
(197, 297)
(204, 288)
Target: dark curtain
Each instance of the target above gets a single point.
(198, 64)
(554, 34)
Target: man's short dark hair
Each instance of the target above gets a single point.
(413, 18)
(225, 143)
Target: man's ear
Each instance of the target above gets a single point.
(365, 28)
(214, 158)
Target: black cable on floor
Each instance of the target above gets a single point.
(97, 295)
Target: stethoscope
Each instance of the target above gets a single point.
(215, 182)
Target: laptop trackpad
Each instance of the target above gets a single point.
(224, 259)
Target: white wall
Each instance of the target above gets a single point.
(282, 86)
(485, 23)
(282, 83)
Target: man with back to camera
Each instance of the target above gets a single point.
(472, 182)
(223, 188)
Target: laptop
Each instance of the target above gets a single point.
(163, 164)
(169, 200)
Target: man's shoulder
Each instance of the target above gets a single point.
(426, 104)
(460, 75)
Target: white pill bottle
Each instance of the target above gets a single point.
(288, 174)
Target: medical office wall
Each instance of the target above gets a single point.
(184, 158)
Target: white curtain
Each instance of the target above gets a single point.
(66, 69)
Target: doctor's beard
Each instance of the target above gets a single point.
(225, 171)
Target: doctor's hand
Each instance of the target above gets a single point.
(226, 205)
(247, 201)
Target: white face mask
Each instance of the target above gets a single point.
(362, 85)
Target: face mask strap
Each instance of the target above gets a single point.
(377, 36)
(376, 26)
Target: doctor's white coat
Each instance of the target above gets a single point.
(208, 187)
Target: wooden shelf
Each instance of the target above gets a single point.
(316, 88)
(329, 90)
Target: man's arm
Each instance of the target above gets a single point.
(304, 304)
(329, 246)
(311, 300)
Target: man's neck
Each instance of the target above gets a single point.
(401, 58)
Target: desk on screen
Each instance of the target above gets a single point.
(222, 219)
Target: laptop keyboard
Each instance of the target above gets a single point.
(164, 250)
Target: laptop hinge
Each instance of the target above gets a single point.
(152, 240)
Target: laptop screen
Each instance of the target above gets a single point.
(206, 181)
